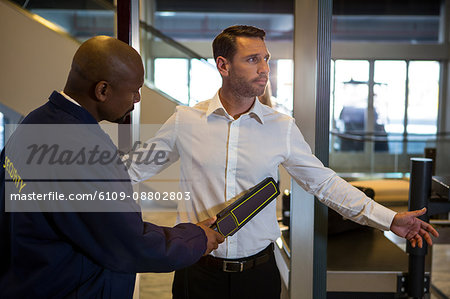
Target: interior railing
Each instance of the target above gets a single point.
(173, 68)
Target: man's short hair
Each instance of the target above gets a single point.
(225, 43)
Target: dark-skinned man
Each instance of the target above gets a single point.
(233, 142)
(75, 254)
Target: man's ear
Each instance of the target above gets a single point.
(223, 66)
(101, 90)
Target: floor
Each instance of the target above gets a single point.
(440, 276)
(158, 286)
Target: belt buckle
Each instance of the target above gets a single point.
(226, 263)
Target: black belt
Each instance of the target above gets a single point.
(238, 265)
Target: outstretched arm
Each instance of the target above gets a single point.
(408, 226)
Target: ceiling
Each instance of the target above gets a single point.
(340, 7)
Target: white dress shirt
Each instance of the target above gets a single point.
(222, 157)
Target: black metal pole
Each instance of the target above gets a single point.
(419, 194)
(124, 20)
(124, 34)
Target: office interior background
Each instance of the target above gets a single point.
(389, 97)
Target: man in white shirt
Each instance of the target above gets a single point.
(229, 144)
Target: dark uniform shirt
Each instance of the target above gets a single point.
(84, 255)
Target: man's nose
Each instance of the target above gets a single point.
(263, 67)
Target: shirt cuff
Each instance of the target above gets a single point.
(381, 217)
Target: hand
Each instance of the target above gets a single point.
(214, 238)
(407, 226)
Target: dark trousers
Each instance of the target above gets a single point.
(199, 281)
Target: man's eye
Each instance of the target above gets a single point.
(252, 59)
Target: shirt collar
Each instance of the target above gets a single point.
(69, 98)
(215, 105)
(77, 111)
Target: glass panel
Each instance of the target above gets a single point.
(350, 104)
(423, 99)
(395, 21)
(413, 29)
(389, 102)
(206, 25)
(283, 102)
(205, 80)
(175, 84)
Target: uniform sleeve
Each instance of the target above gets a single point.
(4, 221)
(141, 162)
(122, 242)
(329, 188)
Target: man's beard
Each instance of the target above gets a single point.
(246, 88)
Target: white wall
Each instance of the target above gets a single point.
(155, 108)
(34, 60)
